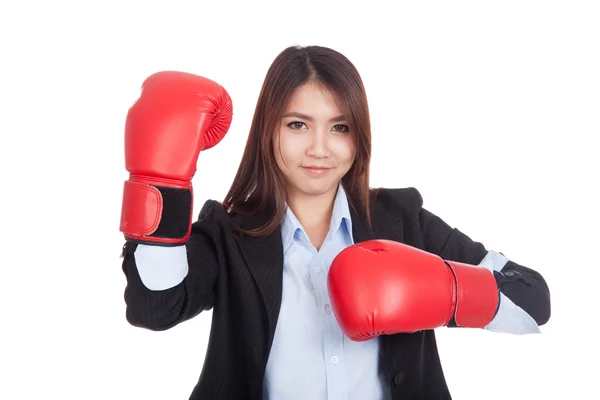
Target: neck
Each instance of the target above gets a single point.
(312, 211)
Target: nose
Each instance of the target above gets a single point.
(319, 146)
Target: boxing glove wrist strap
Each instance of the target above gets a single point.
(477, 295)
(156, 214)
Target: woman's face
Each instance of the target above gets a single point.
(314, 147)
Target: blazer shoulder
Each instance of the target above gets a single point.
(213, 209)
(406, 200)
(212, 215)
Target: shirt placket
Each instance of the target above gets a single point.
(332, 335)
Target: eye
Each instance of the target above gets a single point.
(295, 125)
(341, 128)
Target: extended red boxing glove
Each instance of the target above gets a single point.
(176, 116)
(381, 287)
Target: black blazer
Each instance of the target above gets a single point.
(240, 278)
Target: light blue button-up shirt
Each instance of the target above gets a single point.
(311, 358)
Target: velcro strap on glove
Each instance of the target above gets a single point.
(142, 208)
(156, 214)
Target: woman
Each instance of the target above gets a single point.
(260, 258)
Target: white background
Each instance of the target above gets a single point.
(490, 109)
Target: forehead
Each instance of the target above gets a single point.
(314, 99)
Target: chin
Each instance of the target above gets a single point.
(316, 188)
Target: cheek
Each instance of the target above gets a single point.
(287, 149)
(344, 150)
(293, 146)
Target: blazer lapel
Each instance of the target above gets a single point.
(264, 257)
(382, 223)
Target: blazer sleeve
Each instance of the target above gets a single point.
(169, 285)
(523, 286)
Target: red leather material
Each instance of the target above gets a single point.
(384, 287)
(142, 208)
(478, 295)
(176, 117)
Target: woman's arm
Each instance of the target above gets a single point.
(524, 287)
(168, 285)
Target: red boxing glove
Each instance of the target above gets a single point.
(381, 287)
(177, 116)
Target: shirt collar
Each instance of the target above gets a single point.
(289, 226)
(340, 219)
(341, 213)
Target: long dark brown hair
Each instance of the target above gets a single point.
(259, 185)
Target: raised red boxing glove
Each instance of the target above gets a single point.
(176, 116)
(381, 287)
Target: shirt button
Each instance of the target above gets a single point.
(334, 359)
(328, 309)
(318, 270)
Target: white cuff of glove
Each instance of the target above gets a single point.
(161, 267)
(510, 318)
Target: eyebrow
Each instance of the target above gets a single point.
(339, 118)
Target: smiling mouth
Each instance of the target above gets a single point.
(316, 171)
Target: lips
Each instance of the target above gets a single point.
(316, 170)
